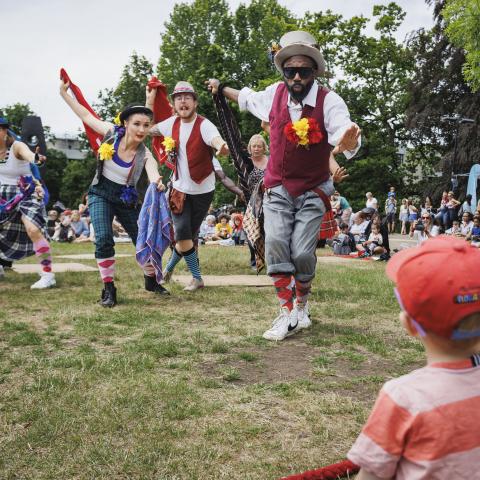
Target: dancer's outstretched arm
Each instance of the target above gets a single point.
(85, 116)
(229, 92)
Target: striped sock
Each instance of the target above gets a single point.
(192, 262)
(174, 259)
(302, 290)
(107, 268)
(284, 283)
(43, 252)
(148, 270)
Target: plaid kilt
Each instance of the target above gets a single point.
(329, 226)
(15, 244)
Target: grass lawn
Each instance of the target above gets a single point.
(185, 387)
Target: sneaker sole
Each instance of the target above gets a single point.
(43, 288)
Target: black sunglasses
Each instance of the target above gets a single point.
(303, 72)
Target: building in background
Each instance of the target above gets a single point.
(69, 145)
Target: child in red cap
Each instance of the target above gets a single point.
(426, 425)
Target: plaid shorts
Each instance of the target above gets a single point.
(15, 244)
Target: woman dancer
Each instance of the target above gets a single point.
(121, 160)
(23, 218)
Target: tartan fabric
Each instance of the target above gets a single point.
(104, 203)
(238, 150)
(256, 236)
(15, 244)
(329, 226)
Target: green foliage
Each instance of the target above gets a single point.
(438, 88)
(463, 29)
(53, 172)
(130, 88)
(15, 114)
(77, 177)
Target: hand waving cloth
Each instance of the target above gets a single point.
(231, 133)
(153, 230)
(93, 137)
(161, 111)
(253, 219)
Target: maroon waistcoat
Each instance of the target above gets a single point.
(199, 154)
(297, 168)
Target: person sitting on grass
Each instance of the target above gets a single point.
(474, 234)
(79, 226)
(374, 244)
(238, 234)
(207, 229)
(467, 224)
(454, 229)
(343, 242)
(223, 229)
(423, 424)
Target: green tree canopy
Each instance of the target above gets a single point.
(463, 28)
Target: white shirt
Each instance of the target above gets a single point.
(466, 229)
(118, 174)
(372, 203)
(336, 117)
(13, 168)
(184, 183)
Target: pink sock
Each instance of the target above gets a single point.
(43, 252)
(107, 268)
(148, 270)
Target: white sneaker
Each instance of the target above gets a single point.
(47, 280)
(302, 315)
(195, 284)
(282, 326)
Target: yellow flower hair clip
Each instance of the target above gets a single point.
(116, 120)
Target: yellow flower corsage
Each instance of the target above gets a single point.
(106, 151)
(169, 144)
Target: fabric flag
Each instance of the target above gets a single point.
(238, 150)
(161, 111)
(153, 230)
(94, 138)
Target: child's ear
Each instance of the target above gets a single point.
(406, 321)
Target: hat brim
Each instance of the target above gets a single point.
(300, 49)
(136, 109)
(401, 258)
(193, 94)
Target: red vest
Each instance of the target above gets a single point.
(199, 154)
(297, 168)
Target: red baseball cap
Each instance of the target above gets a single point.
(438, 284)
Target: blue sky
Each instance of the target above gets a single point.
(93, 39)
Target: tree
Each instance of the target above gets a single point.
(130, 88)
(375, 74)
(438, 89)
(15, 114)
(76, 179)
(463, 28)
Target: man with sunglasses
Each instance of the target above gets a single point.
(297, 179)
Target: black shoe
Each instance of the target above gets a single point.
(151, 285)
(109, 295)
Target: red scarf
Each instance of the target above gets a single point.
(161, 111)
(94, 138)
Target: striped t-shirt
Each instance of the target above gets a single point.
(425, 425)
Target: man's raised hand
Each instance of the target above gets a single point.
(349, 140)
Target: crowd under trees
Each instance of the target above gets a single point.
(397, 91)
